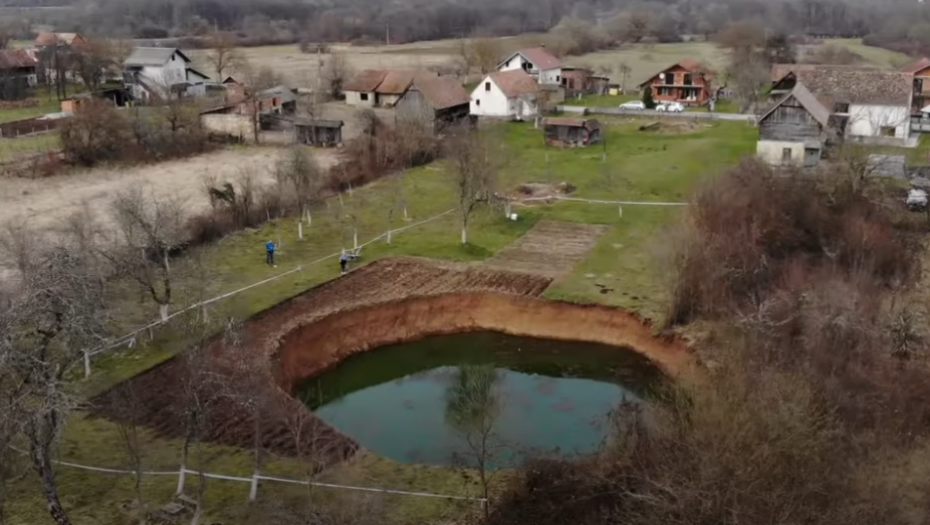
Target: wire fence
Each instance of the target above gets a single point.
(255, 480)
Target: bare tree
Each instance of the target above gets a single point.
(473, 407)
(335, 74)
(623, 70)
(299, 176)
(473, 172)
(46, 329)
(256, 81)
(149, 229)
(224, 54)
(482, 54)
(127, 407)
(94, 61)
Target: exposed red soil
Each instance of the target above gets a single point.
(388, 301)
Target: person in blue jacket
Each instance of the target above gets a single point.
(269, 255)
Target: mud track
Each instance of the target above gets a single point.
(388, 301)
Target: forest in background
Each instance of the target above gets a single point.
(902, 25)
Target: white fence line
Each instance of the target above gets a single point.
(130, 338)
(253, 480)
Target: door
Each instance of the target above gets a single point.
(811, 157)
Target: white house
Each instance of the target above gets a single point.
(155, 71)
(537, 62)
(505, 94)
(873, 104)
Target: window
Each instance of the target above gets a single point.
(558, 79)
(665, 91)
(364, 96)
(887, 131)
(786, 155)
(841, 107)
(487, 86)
(687, 79)
(478, 103)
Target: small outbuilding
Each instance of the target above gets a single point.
(571, 132)
(321, 133)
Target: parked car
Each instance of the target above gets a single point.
(671, 107)
(633, 104)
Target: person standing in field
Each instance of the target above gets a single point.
(269, 253)
(343, 261)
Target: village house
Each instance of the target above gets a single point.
(506, 94)
(380, 87)
(686, 82)
(155, 71)
(571, 132)
(536, 62)
(17, 73)
(437, 101)
(874, 104)
(796, 130)
(236, 117)
(920, 69)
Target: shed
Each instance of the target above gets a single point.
(571, 132)
(322, 133)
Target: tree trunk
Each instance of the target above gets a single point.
(43, 466)
(464, 234)
(163, 311)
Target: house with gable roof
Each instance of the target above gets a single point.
(874, 105)
(156, 72)
(437, 101)
(920, 69)
(506, 94)
(536, 62)
(381, 87)
(686, 82)
(796, 130)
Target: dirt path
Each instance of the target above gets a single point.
(550, 249)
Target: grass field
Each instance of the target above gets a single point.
(12, 148)
(48, 103)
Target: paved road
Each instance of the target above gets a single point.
(652, 113)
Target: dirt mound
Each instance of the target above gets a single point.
(541, 189)
(674, 126)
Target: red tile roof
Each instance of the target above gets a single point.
(514, 83)
(538, 56)
(396, 82)
(365, 81)
(916, 66)
(441, 92)
(688, 64)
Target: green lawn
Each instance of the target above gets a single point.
(28, 145)
(48, 103)
(641, 166)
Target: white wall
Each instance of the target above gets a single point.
(770, 152)
(354, 98)
(550, 76)
(493, 102)
(867, 120)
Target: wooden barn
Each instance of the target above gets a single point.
(571, 132)
(796, 130)
(321, 133)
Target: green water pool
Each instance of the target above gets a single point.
(465, 398)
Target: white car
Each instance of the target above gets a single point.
(671, 107)
(633, 104)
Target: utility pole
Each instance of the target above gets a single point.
(387, 34)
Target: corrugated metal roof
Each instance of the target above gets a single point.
(572, 122)
(279, 91)
(16, 59)
(152, 56)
